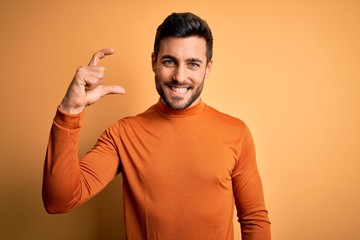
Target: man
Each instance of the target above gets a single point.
(184, 164)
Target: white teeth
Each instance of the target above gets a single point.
(179, 90)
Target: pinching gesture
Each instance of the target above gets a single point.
(86, 87)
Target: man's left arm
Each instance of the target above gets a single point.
(248, 193)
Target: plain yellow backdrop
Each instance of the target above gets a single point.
(289, 69)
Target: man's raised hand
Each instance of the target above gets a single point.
(86, 88)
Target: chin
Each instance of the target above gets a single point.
(178, 103)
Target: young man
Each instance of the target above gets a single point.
(184, 164)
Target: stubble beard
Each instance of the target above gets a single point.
(177, 103)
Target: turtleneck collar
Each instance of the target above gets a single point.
(190, 111)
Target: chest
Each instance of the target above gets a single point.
(180, 153)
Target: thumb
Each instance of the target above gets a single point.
(112, 89)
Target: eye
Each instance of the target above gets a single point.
(194, 65)
(168, 62)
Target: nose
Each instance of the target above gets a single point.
(180, 73)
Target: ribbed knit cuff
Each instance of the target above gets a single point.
(69, 121)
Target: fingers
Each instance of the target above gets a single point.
(99, 55)
(89, 76)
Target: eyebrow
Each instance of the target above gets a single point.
(195, 60)
(167, 56)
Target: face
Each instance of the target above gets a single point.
(180, 69)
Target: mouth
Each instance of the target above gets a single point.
(179, 90)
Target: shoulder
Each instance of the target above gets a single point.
(224, 118)
(234, 130)
(142, 118)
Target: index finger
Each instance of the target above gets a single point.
(99, 55)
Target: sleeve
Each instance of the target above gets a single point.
(69, 181)
(248, 192)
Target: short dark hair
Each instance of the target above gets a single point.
(184, 25)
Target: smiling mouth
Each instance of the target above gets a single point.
(180, 90)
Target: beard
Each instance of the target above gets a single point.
(180, 102)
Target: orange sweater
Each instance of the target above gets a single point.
(182, 173)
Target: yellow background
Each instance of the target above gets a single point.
(289, 69)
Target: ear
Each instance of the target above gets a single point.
(153, 61)
(208, 68)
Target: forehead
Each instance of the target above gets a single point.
(183, 47)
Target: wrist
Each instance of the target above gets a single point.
(68, 109)
(68, 121)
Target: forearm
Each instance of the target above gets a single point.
(256, 226)
(68, 181)
(61, 179)
(252, 213)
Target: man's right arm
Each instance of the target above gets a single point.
(68, 181)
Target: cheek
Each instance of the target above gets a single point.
(163, 73)
(198, 76)
(158, 70)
